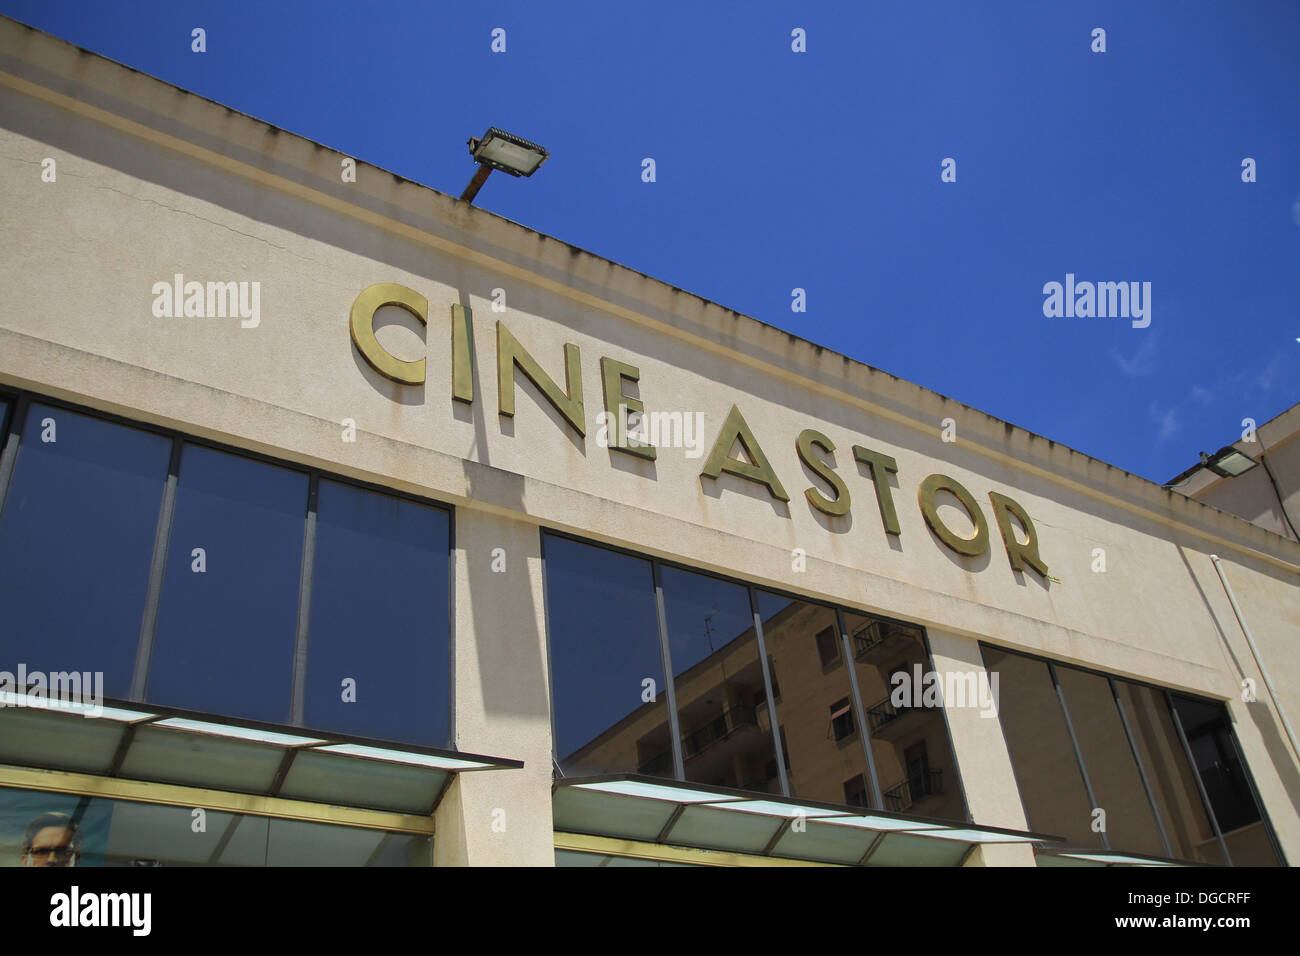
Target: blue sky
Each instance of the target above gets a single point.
(821, 170)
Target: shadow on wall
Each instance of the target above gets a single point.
(504, 630)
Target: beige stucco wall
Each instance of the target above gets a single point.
(1254, 495)
(152, 182)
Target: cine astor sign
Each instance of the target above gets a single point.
(513, 358)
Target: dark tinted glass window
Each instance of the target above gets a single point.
(379, 618)
(609, 701)
(1047, 772)
(1172, 780)
(724, 721)
(225, 635)
(76, 541)
(1209, 737)
(1112, 771)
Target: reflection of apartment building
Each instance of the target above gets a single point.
(726, 733)
(328, 564)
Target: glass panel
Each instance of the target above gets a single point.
(823, 746)
(379, 618)
(1209, 737)
(334, 778)
(830, 844)
(721, 701)
(60, 741)
(76, 541)
(201, 760)
(578, 810)
(1106, 754)
(52, 829)
(905, 849)
(1170, 775)
(903, 699)
(225, 635)
(611, 713)
(715, 829)
(1042, 756)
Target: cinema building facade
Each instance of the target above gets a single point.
(395, 533)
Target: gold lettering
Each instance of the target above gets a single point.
(511, 355)
(1004, 509)
(612, 375)
(882, 466)
(971, 547)
(720, 459)
(804, 444)
(462, 354)
(362, 322)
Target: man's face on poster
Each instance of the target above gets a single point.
(51, 846)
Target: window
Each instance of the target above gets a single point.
(228, 617)
(726, 737)
(855, 792)
(96, 831)
(1226, 783)
(919, 781)
(842, 719)
(1116, 782)
(905, 716)
(828, 647)
(1171, 778)
(610, 705)
(76, 541)
(378, 637)
(1050, 774)
(1042, 756)
(85, 520)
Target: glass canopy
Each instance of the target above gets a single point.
(142, 742)
(632, 807)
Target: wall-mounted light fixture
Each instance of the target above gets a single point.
(498, 149)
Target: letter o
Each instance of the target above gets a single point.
(971, 547)
(362, 321)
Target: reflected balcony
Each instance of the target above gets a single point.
(890, 723)
(903, 796)
(705, 738)
(880, 642)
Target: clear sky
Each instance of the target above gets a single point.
(821, 170)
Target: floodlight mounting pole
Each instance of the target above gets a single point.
(475, 184)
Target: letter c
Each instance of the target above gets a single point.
(370, 301)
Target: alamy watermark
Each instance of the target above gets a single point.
(55, 690)
(658, 428)
(1102, 300)
(213, 300)
(957, 688)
